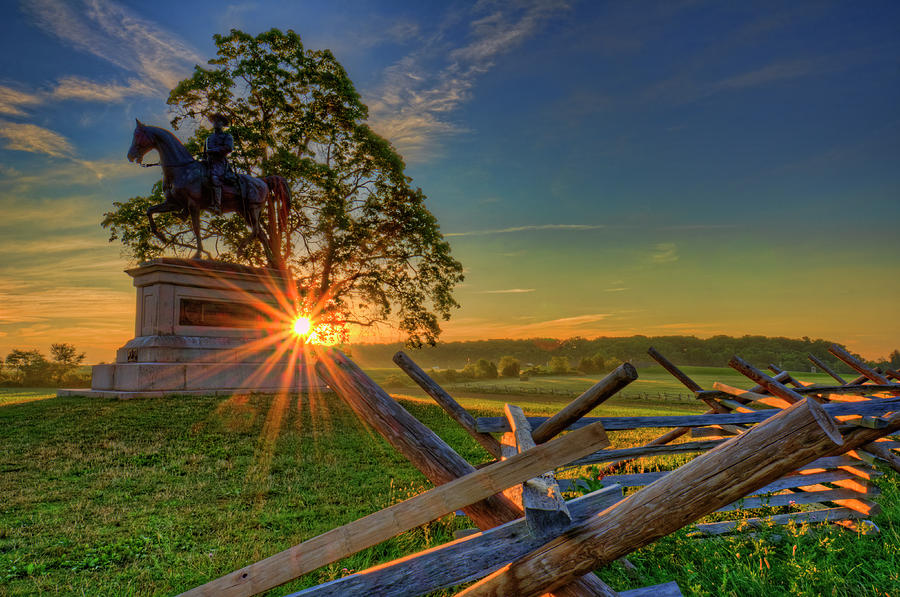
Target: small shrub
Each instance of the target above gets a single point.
(509, 367)
(559, 365)
(485, 369)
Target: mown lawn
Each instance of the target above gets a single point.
(152, 497)
(19, 395)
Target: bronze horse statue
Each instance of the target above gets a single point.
(187, 192)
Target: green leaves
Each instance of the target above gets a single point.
(361, 242)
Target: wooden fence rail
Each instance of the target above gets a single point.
(796, 436)
(459, 561)
(795, 452)
(878, 406)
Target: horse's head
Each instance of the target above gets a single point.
(141, 143)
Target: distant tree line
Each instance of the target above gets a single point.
(510, 366)
(537, 355)
(31, 368)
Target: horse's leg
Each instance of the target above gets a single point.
(195, 224)
(159, 208)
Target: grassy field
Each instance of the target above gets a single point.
(653, 383)
(10, 396)
(152, 497)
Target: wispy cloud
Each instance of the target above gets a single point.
(777, 71)
(664, 253)
(35, 139)
(235, 13)
(698, 227)
(689, 85)
(684, 88)
(466, 328)
(22, 248)
(72, 174)
(13, 100)
(106, 30)
(527, 229)
(45, 304)
(112, 32)
(708, 328)
(508, 291)
(386, 29)
(576, 320)
(615, 286)
(413, 105)
(563, 327)
(78, 88)
(31, 138)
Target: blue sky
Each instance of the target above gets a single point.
(600, 168)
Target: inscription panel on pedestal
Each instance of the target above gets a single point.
(220, 314)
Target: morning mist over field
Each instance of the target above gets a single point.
(599, 169)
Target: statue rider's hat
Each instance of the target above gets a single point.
(219, 119)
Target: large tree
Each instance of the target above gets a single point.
(29, 367)
(360, 241)
(66, 360)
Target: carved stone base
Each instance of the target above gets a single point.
(207, 327)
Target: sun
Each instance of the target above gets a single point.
(302, 326)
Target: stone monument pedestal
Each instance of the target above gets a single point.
(206, 327)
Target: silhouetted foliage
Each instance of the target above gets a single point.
(509, 366)
(559, 365)
(30, 368)
(65, 360)
(481, 369)
(894, 359)
(591, 364)
(535, 354)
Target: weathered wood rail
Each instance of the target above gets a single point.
(459, 561)
(374, 406)
(545, 509)
(877, 406)
(787, 451)
(796, 436)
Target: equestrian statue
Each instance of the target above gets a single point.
(190, 186)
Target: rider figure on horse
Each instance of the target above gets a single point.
(218, 146)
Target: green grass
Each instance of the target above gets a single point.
(10, 396)
(157, 496)
(653, 383)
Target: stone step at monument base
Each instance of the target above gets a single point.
(200, 349)
(179, 377)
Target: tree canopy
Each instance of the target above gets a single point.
(31, 367)
(607, 353)
(360, 241)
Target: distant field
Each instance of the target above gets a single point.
(653, 383)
